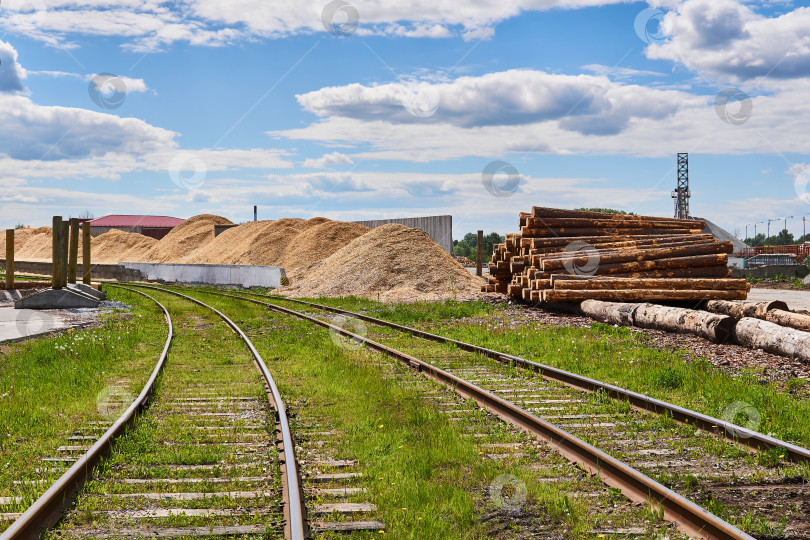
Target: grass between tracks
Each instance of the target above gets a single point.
(615, 355)
(51, 386)
(424, 472)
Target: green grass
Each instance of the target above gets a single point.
(49, 386)
(425, 473)
(611, 354)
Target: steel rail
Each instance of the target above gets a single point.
(689, 517)
(752, 439)
(296, 527)
(47, 510)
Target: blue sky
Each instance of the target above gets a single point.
(179, 108)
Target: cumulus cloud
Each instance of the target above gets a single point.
(335, 158)
(11, 72)
(583, 103)
(32, 131)
(727, 39)
(152, 24)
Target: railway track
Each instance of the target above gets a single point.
(207, 458)
(637, 444)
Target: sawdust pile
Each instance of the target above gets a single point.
(321, 257)
(290, 242)
(185, 239)
(111, 247)
(392, 263)
(116, 246)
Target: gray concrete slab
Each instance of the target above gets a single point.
(19, 324)
(794, 299)
(87, 289)
(57, 299)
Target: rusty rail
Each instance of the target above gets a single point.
(752, 439)
(296, 527)
(690, 518)
(48, 509)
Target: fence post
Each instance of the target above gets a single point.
(74, 249)
(64, 260)
(86, 253)
(9, 259)
(478, 270)
(57, 232)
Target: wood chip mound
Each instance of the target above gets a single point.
(392, 263)
(290, 242)
(185, 239)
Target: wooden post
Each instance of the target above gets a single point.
(57, 232)
(478, 271)
(86, 252)
(74, 249)
(63, 274)
(9, 259)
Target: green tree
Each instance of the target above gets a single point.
(758, 240)
(468, 245)
(604, 211)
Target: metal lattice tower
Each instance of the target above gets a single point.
(681, 194)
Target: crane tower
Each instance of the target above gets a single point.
(681, 194)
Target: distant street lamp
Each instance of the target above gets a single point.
(804, 224)
(755, 227)
(787, 218)
(769, 227)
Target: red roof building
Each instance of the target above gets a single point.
(153, 226)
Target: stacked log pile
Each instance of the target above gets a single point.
(570, 256)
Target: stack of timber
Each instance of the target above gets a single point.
(570, 256)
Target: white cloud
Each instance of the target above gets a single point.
(32, 131)
(152, 24)
(129, 85)
(728, 40)
(11, 72)
(335, 158)
(583, 103)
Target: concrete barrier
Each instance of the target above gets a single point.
(771, 271)
(210, 274)
(199, 274)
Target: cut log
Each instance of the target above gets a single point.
(788, 318)
(720, 271)
(770, 337)
(576, 259)
(590, 223)
(542, 211)
(711, 326)
(565, 240)
(738, 310)
(609, 312)
(642, 266)
(572, 231)
(620, 248)
(652, 283)
(640, 295)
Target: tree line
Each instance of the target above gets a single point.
(468, 246)
(784, 238)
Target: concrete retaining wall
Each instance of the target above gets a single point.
(99, 271)
(789, 270)
(210, 274)
(440, 228)
(199, 274)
